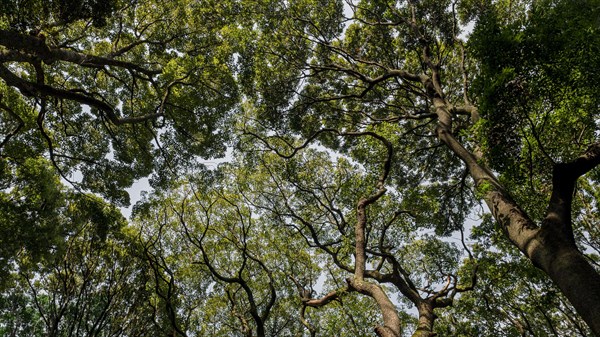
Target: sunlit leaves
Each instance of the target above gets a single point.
(511, 299)
(314, 89)
(93, 287)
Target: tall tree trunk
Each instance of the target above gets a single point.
(551, 246)
(392, 326)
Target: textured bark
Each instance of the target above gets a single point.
(391, 322)
(551, 246)
(426, 320)
(423, 333)
(576, 278)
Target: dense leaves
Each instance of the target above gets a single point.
(32, 14)
(538, 94)
(361, 135)
(148, 92)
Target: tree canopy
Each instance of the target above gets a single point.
(394, 168)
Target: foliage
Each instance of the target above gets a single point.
(512, 299)
(538, 95)
(39, 215)
(362, 134)
(146, 93)
(26, 15)
(88, 286)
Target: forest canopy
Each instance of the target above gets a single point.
(390, 168)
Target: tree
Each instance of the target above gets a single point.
(373, 237)
(511, 299)
(222, 270)
(400, 70)
(368, 123)
(98, 94)
(89, 286)
(114, 93)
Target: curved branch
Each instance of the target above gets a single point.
(564, 177)
(329, 297)
(36, 89)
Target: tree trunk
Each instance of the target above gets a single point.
(552, 249)
(551, 246)
(392, 326)
(426, 320)
(574, 276)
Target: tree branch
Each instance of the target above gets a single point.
(42, 51)
(36, 90)
(564, 178)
